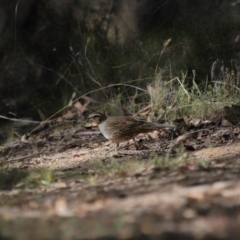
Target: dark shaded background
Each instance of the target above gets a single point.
(50, 48)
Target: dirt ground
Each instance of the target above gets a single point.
(168, 190)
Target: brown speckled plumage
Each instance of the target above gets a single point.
(122, 128)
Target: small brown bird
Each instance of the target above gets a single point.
(122, 128)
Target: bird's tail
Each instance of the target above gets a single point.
(158, 125)
(155, 126)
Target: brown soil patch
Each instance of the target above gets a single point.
(125, 194)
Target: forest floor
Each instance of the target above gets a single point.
(71, 186)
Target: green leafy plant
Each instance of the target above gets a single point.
(37, 179)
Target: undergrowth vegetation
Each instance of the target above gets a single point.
(162, 89)
(25, 179)
(169, 97)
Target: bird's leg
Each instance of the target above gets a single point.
(136, 145)
(139, 146)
